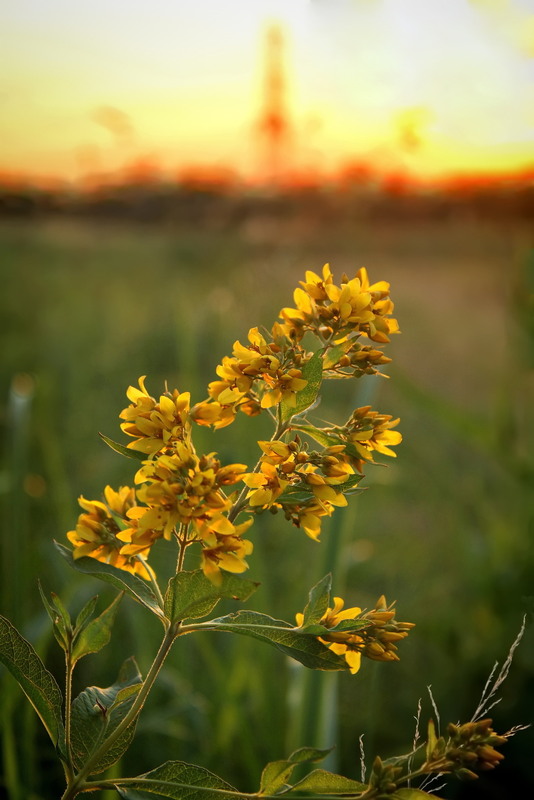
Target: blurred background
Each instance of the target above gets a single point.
(168, 172)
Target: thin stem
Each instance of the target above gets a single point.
(153, 580)
(78, 783)
(182, 539)
(69, 668)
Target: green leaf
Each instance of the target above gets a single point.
(86, 613)
(176, 780)
(412, 794)
(326, 439)
(302, 493)
(345, 626)
(319, 781)
(61, 634)
(296, 495)
(191, 595)
(37, 683)
(318, 600)
(97, 633)
(312, 372)
(292, 641)
(333, 355)
(122, 580)
(97, 712)
(276, 774)
(349, 484)
(124, 451)
(432, 740)
(61, 609)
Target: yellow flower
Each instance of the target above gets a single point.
(155, 424)
(257, 376)
(266, 485)
(213, 413)
(370, 431)
(222, 547)
(97, 531)
(375, 641)
(330, 310)
(181, 487)
(343, 644)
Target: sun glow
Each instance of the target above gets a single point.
(425, 86)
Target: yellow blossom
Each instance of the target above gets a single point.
(97, 531)
(343, 644)
(222, 547)
(370, 431)
(266, 485)
(375, 641)
(181, 487)
(355, 306)
(153, 424)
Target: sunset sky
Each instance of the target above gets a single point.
(433, 85)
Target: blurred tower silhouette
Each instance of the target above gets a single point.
(273, 124)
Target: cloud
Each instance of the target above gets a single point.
(115, 121)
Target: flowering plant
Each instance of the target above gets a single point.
(303, 473)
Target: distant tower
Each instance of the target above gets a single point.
(273, 125)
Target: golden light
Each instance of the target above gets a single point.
(427, 86)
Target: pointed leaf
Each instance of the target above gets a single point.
(276, 774)
(296, 495)
(345, 626)
(37, 683)
(122, 580)
(124, 694)
(333, 355)
(97, 633)
(124, 451)
(292, 641)
(86, 613)
(306, 755)
(60, 630)
(177, 780)
(319, 598)
(191, 595)
(432, 740)
(61, 610)
(312, 372)
(95, 715)
(349, 484)
(322, 782)
(321, 436)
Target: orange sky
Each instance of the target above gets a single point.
(423, 84)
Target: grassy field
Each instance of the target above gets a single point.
(444, 530)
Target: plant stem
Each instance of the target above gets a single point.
(69, 667)
(77, 784)
(153, 580)
(182, 539)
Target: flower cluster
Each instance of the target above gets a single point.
(471, 748)
(257, 376)
(184, 496)
(366, 432)
(153, 424)
(337, 311)
(377, 640)
(305, 485)
(179, 494)
(99, 527)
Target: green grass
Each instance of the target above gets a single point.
(446, 529)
